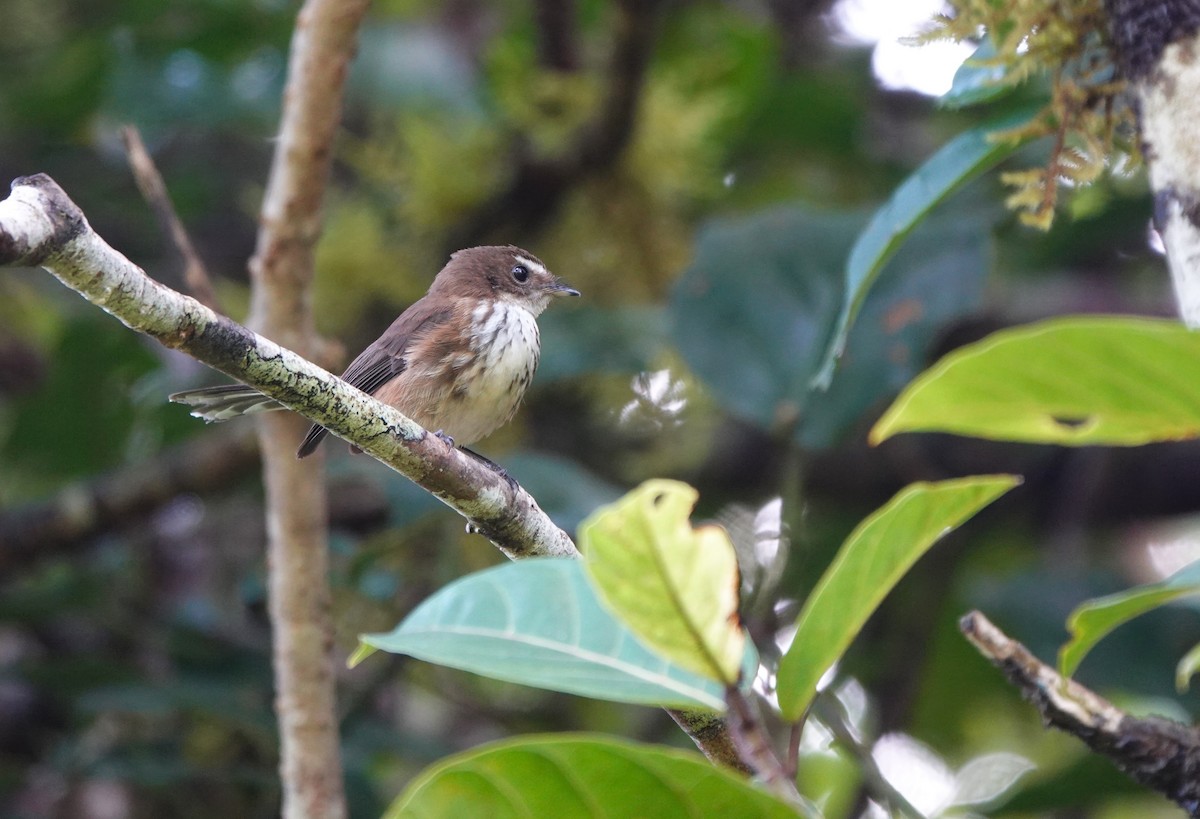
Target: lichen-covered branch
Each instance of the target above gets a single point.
(1156, 752)
(40, 225)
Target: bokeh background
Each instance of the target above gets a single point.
(705, 213)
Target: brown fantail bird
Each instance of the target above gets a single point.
(457, 361)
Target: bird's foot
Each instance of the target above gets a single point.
(495, 467)
(444, 438)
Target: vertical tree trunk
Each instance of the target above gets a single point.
(281, 270)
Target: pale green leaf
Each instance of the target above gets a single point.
(676, 587)
(955, 163)
(580, 776)
(1186, 669)
(538, 622)
(1074, 381)
(871, 561)
(1092, 621)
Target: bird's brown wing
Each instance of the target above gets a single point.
(382, 361)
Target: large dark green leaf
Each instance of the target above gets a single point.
(581, 776)
(955, 163)
(754, 313)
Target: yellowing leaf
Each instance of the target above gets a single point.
(675, 586)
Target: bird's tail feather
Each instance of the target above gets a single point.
(227, 401)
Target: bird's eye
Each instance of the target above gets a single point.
(520, 273)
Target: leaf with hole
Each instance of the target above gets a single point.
(1074, 381)
(676, 587)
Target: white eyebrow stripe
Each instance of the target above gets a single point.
(530, 263)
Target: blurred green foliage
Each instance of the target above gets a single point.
(710, 255)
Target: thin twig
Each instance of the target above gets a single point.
(829, 710)
(754, 745)
(154, 191)
(792, 763)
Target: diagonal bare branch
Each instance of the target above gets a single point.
(1156, 752)
(154, 191)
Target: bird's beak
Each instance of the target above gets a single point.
(561, 288)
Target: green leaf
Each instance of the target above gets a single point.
(1072, 381)
(538, 622)
(935, 278)
(754, 310)
(1187, 669)
(871, 561)
(978, 79)
(580, 776)
(957, 162)
(676, 587)
(753, 314)
(1092, 621)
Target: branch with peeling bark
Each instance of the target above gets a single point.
(1156, 752)
(40, 225)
